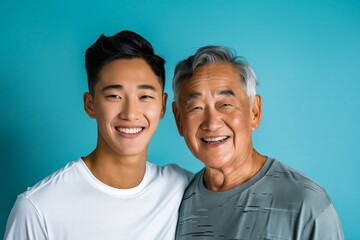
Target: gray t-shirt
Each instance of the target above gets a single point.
(277, 203)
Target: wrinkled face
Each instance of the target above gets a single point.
(127, 104)
(215, 117)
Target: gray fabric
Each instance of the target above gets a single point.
(277, 203)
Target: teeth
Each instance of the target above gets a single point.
(129, 130)
(216, 139)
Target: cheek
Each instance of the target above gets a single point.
(102, 110)
(238, 119)
(190, 126)
(152, 112)
(105, 113)
(235, 123)
(186, 122)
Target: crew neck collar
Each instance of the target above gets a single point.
(116, 192)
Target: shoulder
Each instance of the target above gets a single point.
(52, 181)
(320, 217)
(326, 225)
(23, 207)
(171, 172)
(24, 216)
(194, 184)
(294, 185)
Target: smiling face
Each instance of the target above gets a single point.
(215, 117)
(128, 103)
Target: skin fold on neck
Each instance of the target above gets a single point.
(219, 180)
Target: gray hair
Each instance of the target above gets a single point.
(210, 55)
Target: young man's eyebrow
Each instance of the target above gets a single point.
(146, 87)
(115, 86)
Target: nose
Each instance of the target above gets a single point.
(129, 110)
(212, 120)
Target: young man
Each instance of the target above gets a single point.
(113, 193)
(240, 194)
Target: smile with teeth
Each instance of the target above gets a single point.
(129, 130)
(214, 140)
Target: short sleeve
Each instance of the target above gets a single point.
(326, 226)
(25, 222)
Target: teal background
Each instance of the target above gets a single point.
(305, 53)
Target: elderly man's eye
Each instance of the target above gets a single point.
(226, 105)
(196, 108)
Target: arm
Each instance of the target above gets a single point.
(25, 222)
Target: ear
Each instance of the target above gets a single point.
(177, 118)
(89, 105)
(256, 112)
(163, 110)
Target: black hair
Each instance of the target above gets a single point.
(123, 45)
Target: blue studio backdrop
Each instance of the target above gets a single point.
(305, 54)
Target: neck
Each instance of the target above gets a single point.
(123, 172)
(219, 180)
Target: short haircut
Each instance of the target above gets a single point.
(123, 45)
(211, 55)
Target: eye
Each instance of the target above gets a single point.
(113, 97)
(226, 105)
(195, 109)
(146, 97)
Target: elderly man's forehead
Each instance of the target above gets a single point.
(225, 66)
(219, 73)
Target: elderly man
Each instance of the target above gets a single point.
(240, 194)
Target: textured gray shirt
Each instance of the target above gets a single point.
(277, 203)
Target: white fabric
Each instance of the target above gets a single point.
(73, 204)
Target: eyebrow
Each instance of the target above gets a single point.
(120, 87)
(112, 87)
(227, 92)
(192, 96)
(195, 95)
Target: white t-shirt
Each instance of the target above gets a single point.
(72, 204)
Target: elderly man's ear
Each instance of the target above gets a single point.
(177, 118)
(256, 113)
